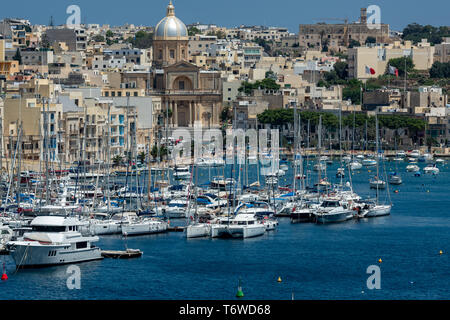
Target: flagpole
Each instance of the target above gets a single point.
(405, 73)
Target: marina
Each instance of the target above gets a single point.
(361, 235)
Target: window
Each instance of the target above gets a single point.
(181, 84)
(172, 54)
(160, 55)
(81, 245)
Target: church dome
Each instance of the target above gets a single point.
(171, 28)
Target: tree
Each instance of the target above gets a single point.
(263, 43)
(109, 34)
(141, 157)
(341, 69)
(353, 43)
(98, 38)
(440, 70)
(192, 31)
(416, 32)
(225, 115)
(117, 160)
(371, 40)
(168, 113)
(18, 56)
(154, 152)
(219, 34)
(399, 63)
(265, 84)
(142, 40)
(45, 42)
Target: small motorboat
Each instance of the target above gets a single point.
(395, 179)
(412, 168)
(431, 169)
(369, 162)
(377, 184)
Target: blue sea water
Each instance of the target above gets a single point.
(313, 261)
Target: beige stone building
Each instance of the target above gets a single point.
(377, 57)
(442, 51)
(339, 36)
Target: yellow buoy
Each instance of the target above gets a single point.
(380, 261)
(279, 279)
(441, 252)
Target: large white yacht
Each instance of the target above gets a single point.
(53, 241)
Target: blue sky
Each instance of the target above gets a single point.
(283, 13)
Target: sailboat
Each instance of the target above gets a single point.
(394, 178)
(377, 209)
(195, 229)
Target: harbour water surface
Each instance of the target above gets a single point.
(313, 261)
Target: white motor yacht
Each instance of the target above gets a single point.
(331, 211)
(53, 241)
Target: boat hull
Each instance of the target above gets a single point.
(144, 228)
(198, 230)
(38, 256)
(333, 217)
(379, 211)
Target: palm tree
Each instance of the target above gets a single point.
(141, 157)
(117, 160)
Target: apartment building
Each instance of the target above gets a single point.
(200, 43)
(442, 51)
(377, 57)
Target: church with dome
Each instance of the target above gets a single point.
(192, 94)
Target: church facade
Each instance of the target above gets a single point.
(190, 93)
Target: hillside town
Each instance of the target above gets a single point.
(73, 90)
(188, 160)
